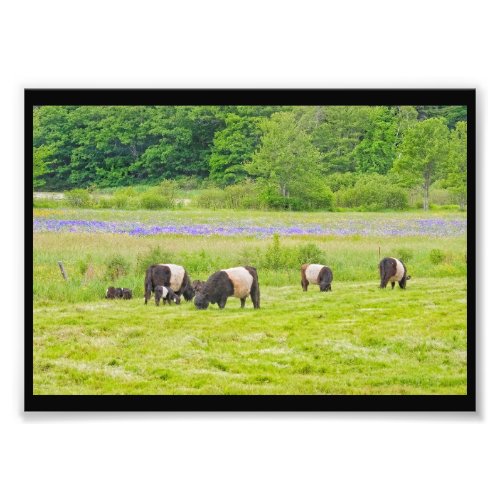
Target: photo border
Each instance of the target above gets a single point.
(298, 97)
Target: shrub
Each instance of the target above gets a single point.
(116, 267)
(404, 254)
(188, 182)
(243, 195)
(249, 256)
(440, 196)
(153, 198)
(201, 262)
(436, 256)
(105, 202)
(79, 198)
(155, 255)
(309, 254)
(212, 198)
(125, 198)
(372, 192)
(340, 180)
(169, 192)
(277, 257)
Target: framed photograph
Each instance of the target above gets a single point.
(250, 250)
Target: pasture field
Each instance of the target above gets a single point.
(357, 339)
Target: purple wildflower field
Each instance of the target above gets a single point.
(430, 227)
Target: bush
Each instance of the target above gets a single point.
(168, 190)
(151, 198)
(211, 198)
(277, 257)
(201, 262)
(188, 182)
(339, 180)
(436, 256)
(440, 197)
(243, 195)
(372, 192)
(309, 254)
(125, 198)
(79, 198)
(404, 254)
(156, 255)
(116, 267)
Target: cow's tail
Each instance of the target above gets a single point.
(148, 284)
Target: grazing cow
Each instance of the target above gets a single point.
(392, 270)
(127, 293)
(239, 282)
(114, 293)
(317, 274)
(167, 294)
(169, 275)
(198, 285)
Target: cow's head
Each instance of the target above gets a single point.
(201, 301)
(189, 293)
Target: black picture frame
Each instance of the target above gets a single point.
(467, 97)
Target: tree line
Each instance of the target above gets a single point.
(295, 157)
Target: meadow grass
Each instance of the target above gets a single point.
(356, 340)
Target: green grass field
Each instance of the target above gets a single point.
(357, 339)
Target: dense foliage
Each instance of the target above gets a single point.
(298, 158)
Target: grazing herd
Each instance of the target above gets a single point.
(168, 282)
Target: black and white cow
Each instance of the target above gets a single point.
(316, 274)
(169, 275)
(392, 270)
(114, 293)
(167, 294)
(237, 282)
(118, 293)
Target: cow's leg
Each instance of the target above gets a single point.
(255, 295)
(243, 302)
(147, 292)
(222, 302)
(383, 280)
(392, 284)
(305, 283)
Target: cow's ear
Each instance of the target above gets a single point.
(408, 278)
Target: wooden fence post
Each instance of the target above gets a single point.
(63, 272)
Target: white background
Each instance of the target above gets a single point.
(249, 44)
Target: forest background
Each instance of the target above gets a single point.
(367, 158)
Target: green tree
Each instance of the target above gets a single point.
(423, 155)
(337, 132)
(233, 146)
(452, 114)
(41, 163)
(456, 179)
(288, 164)
(375, 153)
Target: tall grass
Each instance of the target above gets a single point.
(278, 260)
